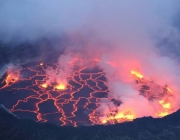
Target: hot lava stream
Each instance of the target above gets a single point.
(27, 92)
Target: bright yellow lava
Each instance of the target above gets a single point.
(139, 75)
(119, 117)
(123, 116)
(165, 105)
(44, 85)
(162, 114)
(60, 87)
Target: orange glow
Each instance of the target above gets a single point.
(124, 116)
(139, 75)
(41, 64)
(119, 117)
(11, 78)
(129, 116)
(60, 87)
(104, 121)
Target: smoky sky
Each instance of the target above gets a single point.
(108, 20)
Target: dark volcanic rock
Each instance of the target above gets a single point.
(147, 128)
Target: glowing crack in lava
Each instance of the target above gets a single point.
(33, 92)
(42, 95)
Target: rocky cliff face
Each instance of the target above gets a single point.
(147, 128)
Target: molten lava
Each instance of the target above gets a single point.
(166, 93)
(162, 114)
(137, 74)
(166, 105)
(10, 79)
(74, 102)
(118, 117)
(60, 87)
(146, 90)
(44, 85)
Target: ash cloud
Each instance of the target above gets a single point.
(123, 35)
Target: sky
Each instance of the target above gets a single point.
(30, 20)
